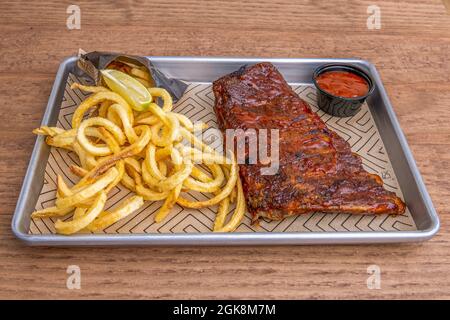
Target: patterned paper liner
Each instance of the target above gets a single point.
(197, 103)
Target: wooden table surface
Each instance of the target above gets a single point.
(411, 52)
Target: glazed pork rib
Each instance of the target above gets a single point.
(317, 169)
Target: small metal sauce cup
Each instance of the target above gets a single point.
(336, 105)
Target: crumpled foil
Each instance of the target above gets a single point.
(91, 63)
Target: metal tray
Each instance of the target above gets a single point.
(206, 69)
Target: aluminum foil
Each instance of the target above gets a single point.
(91, 63)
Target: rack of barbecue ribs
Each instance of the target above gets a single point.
(317, 171)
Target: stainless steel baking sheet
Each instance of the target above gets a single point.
(204, 70)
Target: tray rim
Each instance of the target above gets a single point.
(238, 238)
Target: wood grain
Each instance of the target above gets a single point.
(410, 52)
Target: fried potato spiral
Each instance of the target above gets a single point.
(153, 153)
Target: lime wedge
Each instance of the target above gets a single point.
(129, 88)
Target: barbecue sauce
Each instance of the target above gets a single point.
(343, 84)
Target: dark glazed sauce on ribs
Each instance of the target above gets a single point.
(317, 172)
